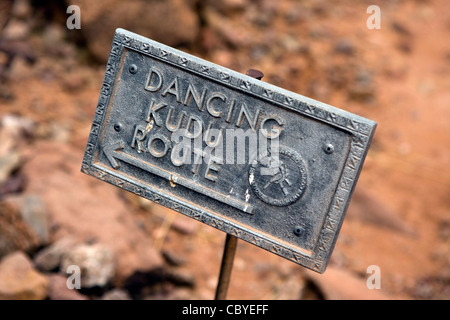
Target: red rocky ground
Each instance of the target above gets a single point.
(399, 217)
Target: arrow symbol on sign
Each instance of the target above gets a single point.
(112, 153)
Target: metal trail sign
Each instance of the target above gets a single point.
(266, 165)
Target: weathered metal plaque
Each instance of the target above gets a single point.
(267, 165)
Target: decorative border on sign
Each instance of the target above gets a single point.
(361, 129)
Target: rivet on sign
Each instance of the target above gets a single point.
(117, 127)
(297, 231)
(133, 69)
(328, 148)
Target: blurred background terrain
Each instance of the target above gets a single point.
(53, 216)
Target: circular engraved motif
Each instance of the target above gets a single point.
(279, 179)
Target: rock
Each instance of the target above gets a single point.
(226, 31)
(291, 43)
(34, 213)
(172, 22)
(18, 279)
(5, 13)
(116, 294)
(405, 46)
(363, 87)
(158, 282)
(444, 229)
(400, 28)
(173, 258)
(339, 284)
(23, 224)
(21, 9)
(371, 210)
(53, 41)
(181, 293)
(49, 258)
(75, 83)
(228, 7)
(16, 30)
(13, 131)
(58, 290)
(178, 277)
(262, 13)
(184, 225)
(96, 263)
(291, 290)
(9, 162)
(13, 184)
(60, 132)
(179, 222)
(297, 14)
(345, 47)
(14, 49)
(432, 288)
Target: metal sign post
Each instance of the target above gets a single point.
(226, 267)
(258, 162)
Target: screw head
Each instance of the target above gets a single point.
(117, 127)
(297, 231)
(133, 69)
(328, 148)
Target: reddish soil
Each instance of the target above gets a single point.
(406, 176)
